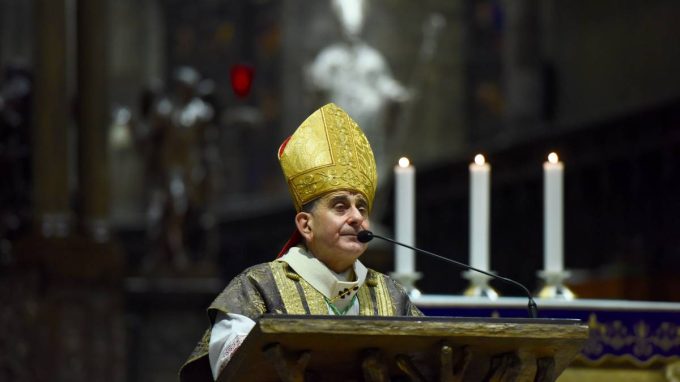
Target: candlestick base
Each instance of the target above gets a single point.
(408, 281)
(479, 285)
(554, 287)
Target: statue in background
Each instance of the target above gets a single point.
(356, 77)
(178, 163)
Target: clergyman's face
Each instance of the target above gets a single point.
(332, 227)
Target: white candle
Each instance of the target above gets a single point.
(480, 172)
(404, 207)
(553, 171)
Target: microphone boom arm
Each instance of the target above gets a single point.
(366, 236)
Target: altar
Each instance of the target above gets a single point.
(629, 340)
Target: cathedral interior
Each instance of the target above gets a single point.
(138, 143)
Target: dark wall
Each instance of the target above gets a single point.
(622, 208)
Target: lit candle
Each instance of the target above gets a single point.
(480, 172)
(553, 171)
(404, 207)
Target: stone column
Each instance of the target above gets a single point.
(50, 135)
(67, 296)
(93, 118)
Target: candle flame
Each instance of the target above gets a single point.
(479, 159)
(404, 162)
(553, 158)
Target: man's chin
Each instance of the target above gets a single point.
(355, 249)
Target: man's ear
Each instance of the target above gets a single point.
(304, 222)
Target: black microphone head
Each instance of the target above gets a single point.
(365, 236)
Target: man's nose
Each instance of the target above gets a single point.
(355, 216)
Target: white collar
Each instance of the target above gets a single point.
(324, 280)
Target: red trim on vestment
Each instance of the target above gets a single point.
(294, 240)
(283, 146)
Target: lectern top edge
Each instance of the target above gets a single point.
(442, 319)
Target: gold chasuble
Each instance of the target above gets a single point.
(275, 288)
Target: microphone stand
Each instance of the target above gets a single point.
(366, 236)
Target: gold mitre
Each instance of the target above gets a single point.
(328, 152)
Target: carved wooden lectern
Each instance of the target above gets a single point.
(377, 349)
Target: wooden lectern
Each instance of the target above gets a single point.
(358, 348)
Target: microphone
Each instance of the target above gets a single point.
(366, 236)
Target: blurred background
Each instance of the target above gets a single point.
(138, 144)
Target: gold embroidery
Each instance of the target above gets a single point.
(291, 274)
(383, 301)
(365, 300)
(315, 300)
(382, 297)
(289, 294)
(328, 152)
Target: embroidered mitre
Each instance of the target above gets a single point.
(328, 152)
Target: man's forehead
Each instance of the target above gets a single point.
(344, 194)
